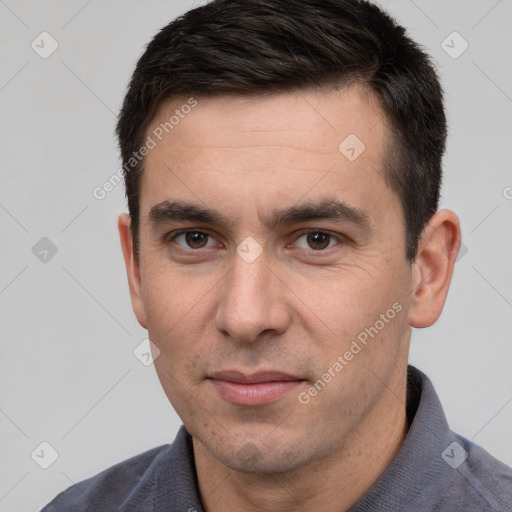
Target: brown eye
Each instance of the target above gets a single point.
(193, 240)
(196, 240)
(318, 240)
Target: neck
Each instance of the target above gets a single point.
(332, 484)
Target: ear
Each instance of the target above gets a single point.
(132, 268)
(433, 268)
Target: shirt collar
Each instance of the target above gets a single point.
(418, 464)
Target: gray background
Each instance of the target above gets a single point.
(68, 373)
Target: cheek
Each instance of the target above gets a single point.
(344, 301)
(175, 306)
(176, 314)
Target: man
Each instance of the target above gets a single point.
(282, 164)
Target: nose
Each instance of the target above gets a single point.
(253, 301)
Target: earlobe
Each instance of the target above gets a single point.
(132, 268)
(433, 267)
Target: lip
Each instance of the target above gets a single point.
(254, 389)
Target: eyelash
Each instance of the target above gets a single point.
(337, 237)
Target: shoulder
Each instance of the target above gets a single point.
(478, 479)
(439, 470)
(112, 487)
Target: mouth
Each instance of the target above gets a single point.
(256, 389)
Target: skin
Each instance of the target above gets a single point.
(297, 307)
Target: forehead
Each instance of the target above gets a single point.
(249, 152)
(313, 117)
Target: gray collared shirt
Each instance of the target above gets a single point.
(435, 470)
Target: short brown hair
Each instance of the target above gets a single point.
(253, 47)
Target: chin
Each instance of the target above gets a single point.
(263, 454)
(251, 458)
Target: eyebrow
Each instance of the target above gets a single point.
(325, 209)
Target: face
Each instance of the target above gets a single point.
(272, 274)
